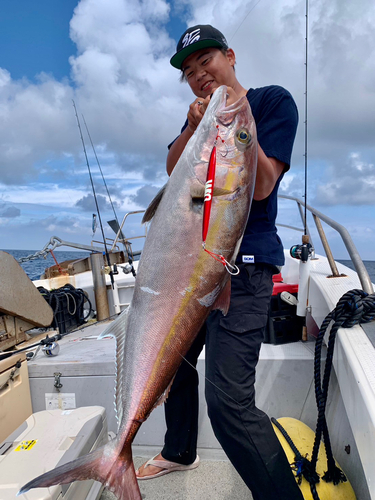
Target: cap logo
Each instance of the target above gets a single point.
(190, 38)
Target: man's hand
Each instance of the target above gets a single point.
(199, 106)
(196, 112)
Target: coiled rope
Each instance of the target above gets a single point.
(75, 298)
(354, 307)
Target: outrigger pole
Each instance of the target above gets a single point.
(95, 198)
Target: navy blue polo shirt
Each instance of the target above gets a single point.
(276, 117)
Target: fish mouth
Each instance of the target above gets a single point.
(226, 114)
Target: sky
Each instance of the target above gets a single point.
(112, 58)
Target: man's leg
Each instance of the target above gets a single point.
(181, 408)
(232, 350)
(181, 413)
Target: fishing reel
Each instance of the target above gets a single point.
(128, 268)
(51, 349)
(302, 252)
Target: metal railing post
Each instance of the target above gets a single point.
(327, 249)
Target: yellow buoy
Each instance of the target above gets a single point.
(303, 438)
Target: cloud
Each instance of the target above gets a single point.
(352, 183)
(10, 212)
(87, 203)
(145, 195)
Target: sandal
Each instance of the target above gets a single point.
(166, 467)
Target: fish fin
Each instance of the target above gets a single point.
(223, 300)
(151, 209)
(117, 330)
(221, 191)
(106, 465)
(163, 398)
(197, 191)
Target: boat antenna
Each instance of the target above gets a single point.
(95, 198)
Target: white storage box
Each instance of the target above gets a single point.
(48, 439)
(15, 401)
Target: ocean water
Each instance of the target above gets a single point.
(369, 264)
(34, 268)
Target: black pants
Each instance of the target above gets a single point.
(232, 351)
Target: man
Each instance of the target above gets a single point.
(233, 341)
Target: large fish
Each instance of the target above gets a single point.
(177, 285)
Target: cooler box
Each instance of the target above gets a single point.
(48, 439)
(15, 400)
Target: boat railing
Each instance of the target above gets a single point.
(120, 237)
(345, 236)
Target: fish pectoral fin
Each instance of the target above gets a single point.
(197, 191)
(151, 209)
(221, 191)
(223, 300)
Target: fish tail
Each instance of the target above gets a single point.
(122, 480)
(114, 470)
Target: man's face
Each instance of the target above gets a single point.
(207, 69)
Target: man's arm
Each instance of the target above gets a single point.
(268, 172)
(177, 148)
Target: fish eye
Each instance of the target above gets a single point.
(243, 136)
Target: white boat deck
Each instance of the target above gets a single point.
(212, 480)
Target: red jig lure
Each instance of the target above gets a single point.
(208, 193)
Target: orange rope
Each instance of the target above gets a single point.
(57, 264)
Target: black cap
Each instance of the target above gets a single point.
(196, 38)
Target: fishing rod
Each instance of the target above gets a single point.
(130, 259)
(306, 60)
(100, 168)
(95, 198)
(304, 251)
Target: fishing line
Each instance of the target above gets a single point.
(214, 385)
(244, 19)
(130, 257)
(95, 198)
(100, 168)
